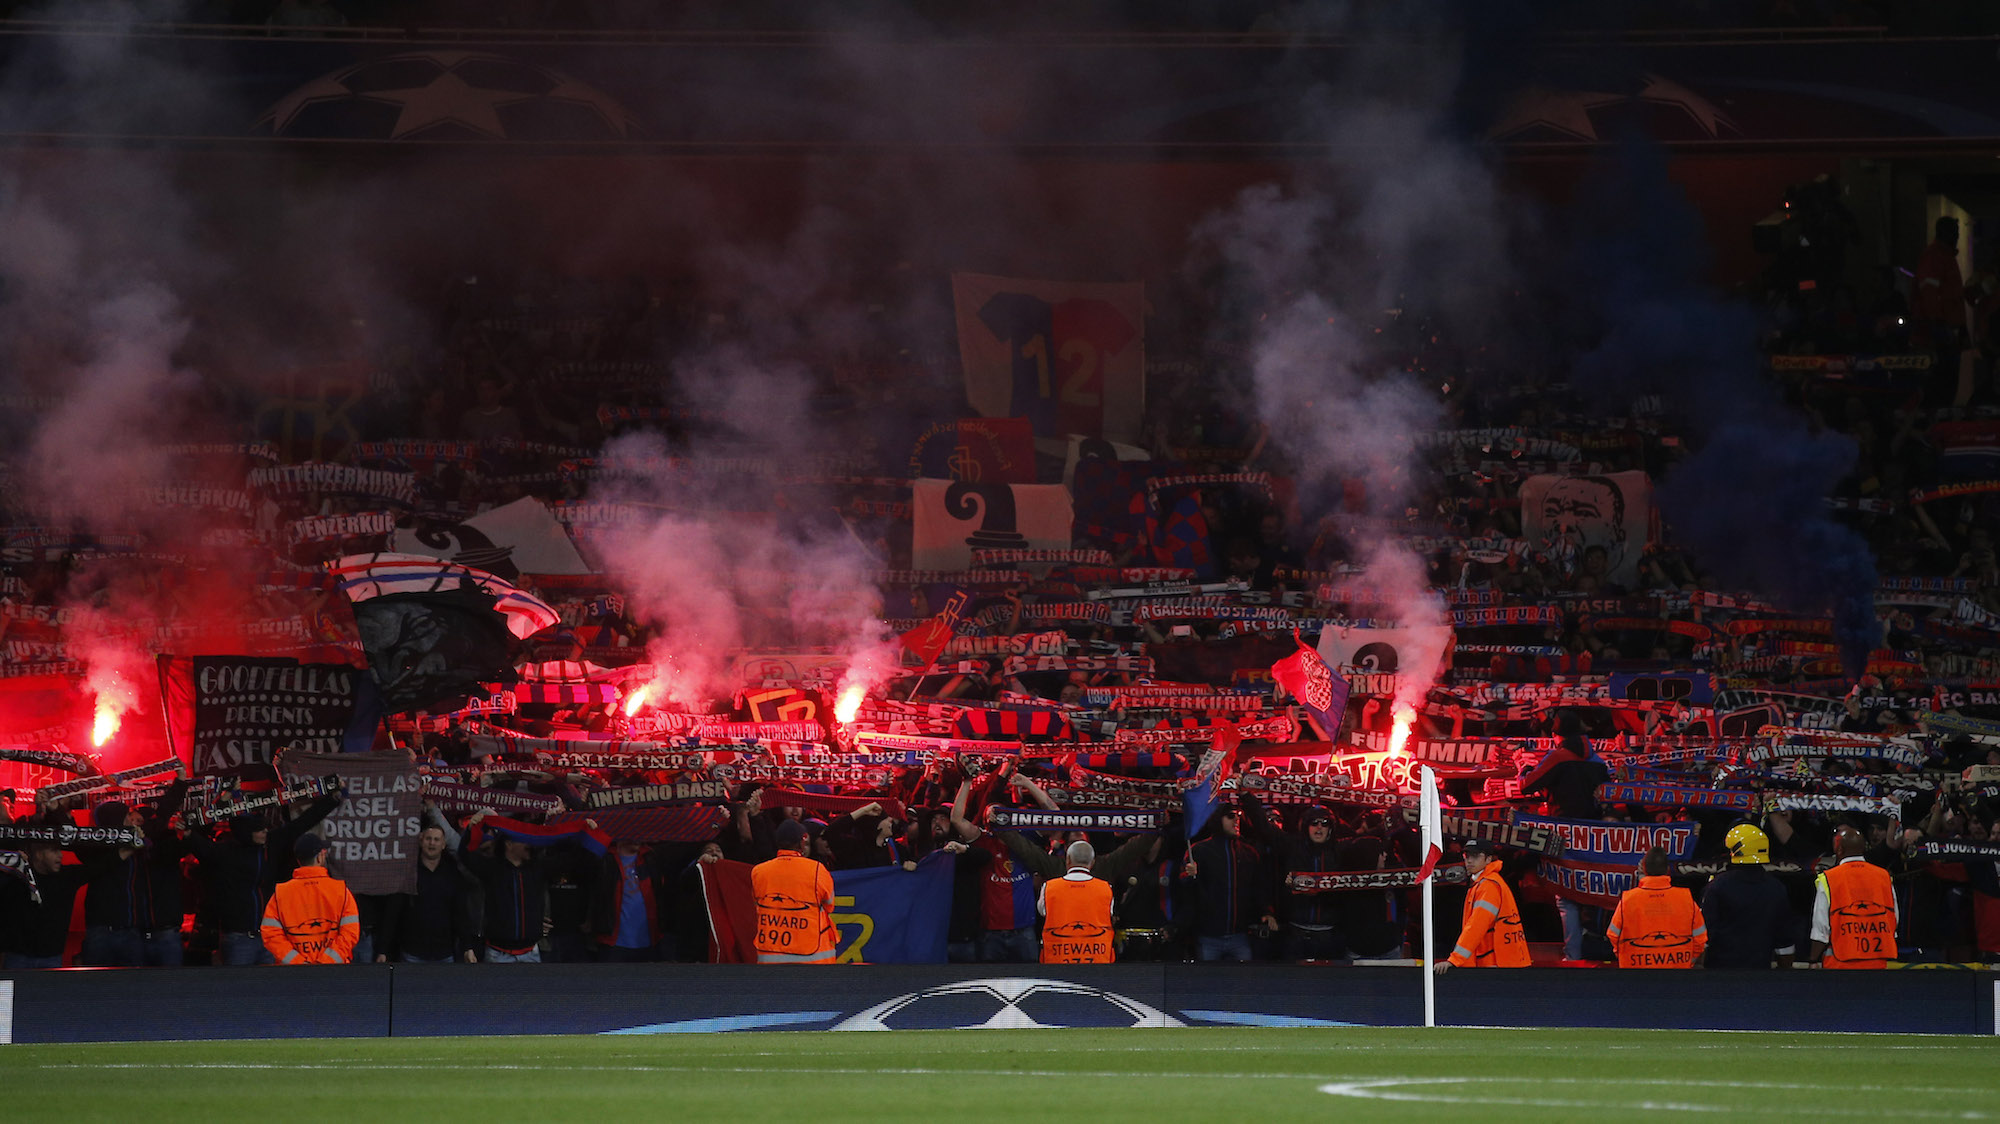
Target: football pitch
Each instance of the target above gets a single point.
(1151, 1075)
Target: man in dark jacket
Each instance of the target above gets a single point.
(625, 904)
(32, 934)
(239, 874)
(434, 925)
(1232, 891)
(1311, 931)
(132, 907)
(516, 897)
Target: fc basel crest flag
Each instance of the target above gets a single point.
(1319, 688)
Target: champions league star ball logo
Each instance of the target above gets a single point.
(448, 96)
(1007, 1004)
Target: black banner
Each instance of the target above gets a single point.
(246, 708)
(70, 835)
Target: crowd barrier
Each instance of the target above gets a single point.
(411, 1000)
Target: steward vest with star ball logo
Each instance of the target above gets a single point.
(1078, 925)
(794, 896)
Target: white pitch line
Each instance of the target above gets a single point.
(1367, 1087)
(1390, 1089)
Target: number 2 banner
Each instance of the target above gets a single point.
(1068, 356)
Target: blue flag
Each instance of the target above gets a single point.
(888, 915)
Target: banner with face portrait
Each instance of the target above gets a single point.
(1573, 519)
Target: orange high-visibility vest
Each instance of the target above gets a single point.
(311, 920)
(1657, 925)
(1490, 926)
(794, 897)
(1861, 916)
(1078, 925)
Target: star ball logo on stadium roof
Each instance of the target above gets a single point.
(448, 96)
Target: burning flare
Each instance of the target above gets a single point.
(637, 699)
(849, 703)
(109, 714)
(1399, 735)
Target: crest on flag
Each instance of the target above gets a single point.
(1317, 687)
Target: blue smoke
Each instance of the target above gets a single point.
(1748, 502)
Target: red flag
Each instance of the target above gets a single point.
(732, 912)
(928, 639)
(1317, 687)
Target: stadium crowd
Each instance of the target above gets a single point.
(1592, 673)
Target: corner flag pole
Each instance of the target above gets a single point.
(1431, 823)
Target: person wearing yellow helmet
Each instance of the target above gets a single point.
(1750, 918)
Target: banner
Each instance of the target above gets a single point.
(1068, 356)
(1412, 651)
(372, 836)
(1565, 516)
(953, 518)
(976, 450)
(228, 711)
(1600, 859)
(522, 537)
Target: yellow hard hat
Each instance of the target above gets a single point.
(1748, 844)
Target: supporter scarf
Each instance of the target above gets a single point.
(952, 577)
(685, 823)
(1312, 790)
(1833, 802)
(1277, 728)
(748, 732)
(48, 758)
(198, 497)
(1074, 819)
(1955, 851)
(1505, 827)
(1156, 484)
(1959, 724)
(831, 775)
(15, 864)
(989, 556)
(1676, 796)
(1206, 609)
(616, 754)
(1713, 867)
(261, 450)
(1391, 878)
(328, 528)
(1183, 590)
(1507, 615)
(417, 449)
(669, 760)
(340, 479)
(1804, 747)
(200, 812)
(1021, 665)
(1926, 585)
(63, 789)
(829, 804)
(1953, 491)
(464, 799)
(69, 836)
(1091, 786)
(535, 835)
(679, 792)
(1211, 700)
(872, 739)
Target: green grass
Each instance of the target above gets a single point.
(1093, 1077)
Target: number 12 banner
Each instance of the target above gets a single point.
(1068, 356)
